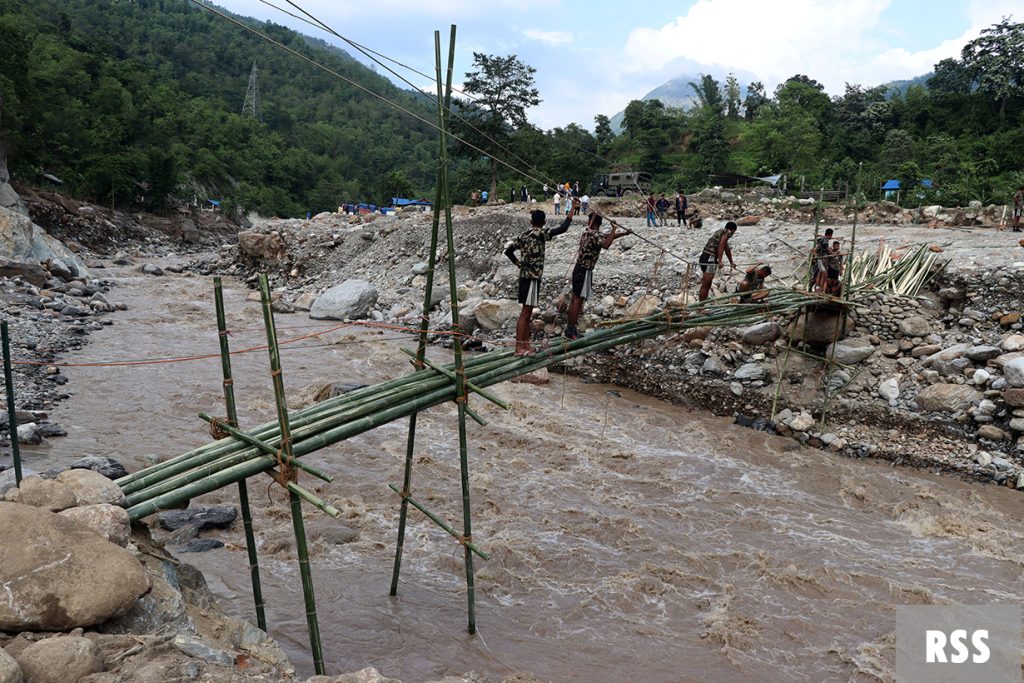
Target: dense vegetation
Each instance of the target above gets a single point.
(140, 100)
(114, 96)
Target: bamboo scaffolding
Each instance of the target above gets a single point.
(12, 417)
(286, 474)
(232, 420)
(441, 523)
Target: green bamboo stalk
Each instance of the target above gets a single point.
(296, 501)
(441, 523)
(12, 418)
(309, 497)
(243, 490)
(452, 376)
(421, 350)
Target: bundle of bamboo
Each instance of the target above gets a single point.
(241, 455)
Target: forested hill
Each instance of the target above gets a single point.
(115, 95)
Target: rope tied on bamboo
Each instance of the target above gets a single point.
(465, 540)
(285, 471)
(215, 427)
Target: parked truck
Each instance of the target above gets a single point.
(615, 184)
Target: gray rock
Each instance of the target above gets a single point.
(762, 333)
(108, 467)
(980, 354)
(64, 575)
(1017, 424)
(152, 269)
(991, 433)
(951, 368)
(947, 397)
(29, 434)
(351, 300)
(199, 545)
(1014, 372)
(420, 268)
(10, 672)
(850, 351)
(1014, 342)
(819, 327)
(493, 314)
(915, 326)
(202, 517)
(750, 371)
(61, 659)
(952, 353)
(801, 422)
(194, 647)
(713, 365)
(981, 377)
(736, 388)
(91, 488)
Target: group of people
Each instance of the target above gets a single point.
(573, 204)
(530, 246)
(1018, 207)
(828, 264)
(657, 209)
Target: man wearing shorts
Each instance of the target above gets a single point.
(531, 245)
(591, 244)
(711, 258)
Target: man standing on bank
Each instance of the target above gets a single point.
(711, 258)
(531, 246)
(591, 244)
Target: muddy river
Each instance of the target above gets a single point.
(630, 539)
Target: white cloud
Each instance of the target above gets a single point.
(549, 37)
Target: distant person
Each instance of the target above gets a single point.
(576, 189)
(545, 191)
(753, 281)
(513, 200)
(662, 207)
(484, 195)
(652, 204)
(591, 244)
(1018, 207)
(821, 252)
(531, 246)
(618, 191)
(585, 204)
(681, 205)
(558, 203)
(710, 259)
(695, 220)
(523, 194)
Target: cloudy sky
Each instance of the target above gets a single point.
(594, 56)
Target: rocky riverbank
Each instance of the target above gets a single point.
(932, 380)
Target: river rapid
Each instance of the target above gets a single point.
(630, 539)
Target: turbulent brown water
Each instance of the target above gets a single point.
(630, 539)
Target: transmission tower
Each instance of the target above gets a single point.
(251, 106)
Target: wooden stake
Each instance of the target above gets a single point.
(12, 418)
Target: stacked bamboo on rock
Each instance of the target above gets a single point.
(232, 459)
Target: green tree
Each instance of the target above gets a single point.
(395, 184)
(732, 97)
(709, 94)
(503, 88)
(603, 133)
(755, 99)
(995, 61)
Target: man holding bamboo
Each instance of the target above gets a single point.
(591, 244)
(819, 268)
(710, 259)
(531, 246)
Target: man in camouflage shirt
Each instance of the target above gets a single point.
(711, 258)
(591, 244)
(531, 246)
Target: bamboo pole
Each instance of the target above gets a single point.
(452, 376)
(299, 527)
(421, 350)
(12, 417)
(243, 490)
(441, 523)
(460, 372)
(268, 449)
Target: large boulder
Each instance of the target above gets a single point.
(22, 241)
(59, 575)
(109, 521)
(492, 314)
(947, 398)
(850, 351)
(915, 326)
(946, 355)
(646, 305)
(819, 327)
(268, 247)
(351, 300)
(32, 273)
(10, 672)
(91, 488)
(61, 659)
(108, 467)
(201, 517)
(762, 333)
(1014, 342)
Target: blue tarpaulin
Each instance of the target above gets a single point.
(401, 201)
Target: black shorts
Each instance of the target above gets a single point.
(832, 273)
(529, 291)
(581, 281)
(708, 264)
